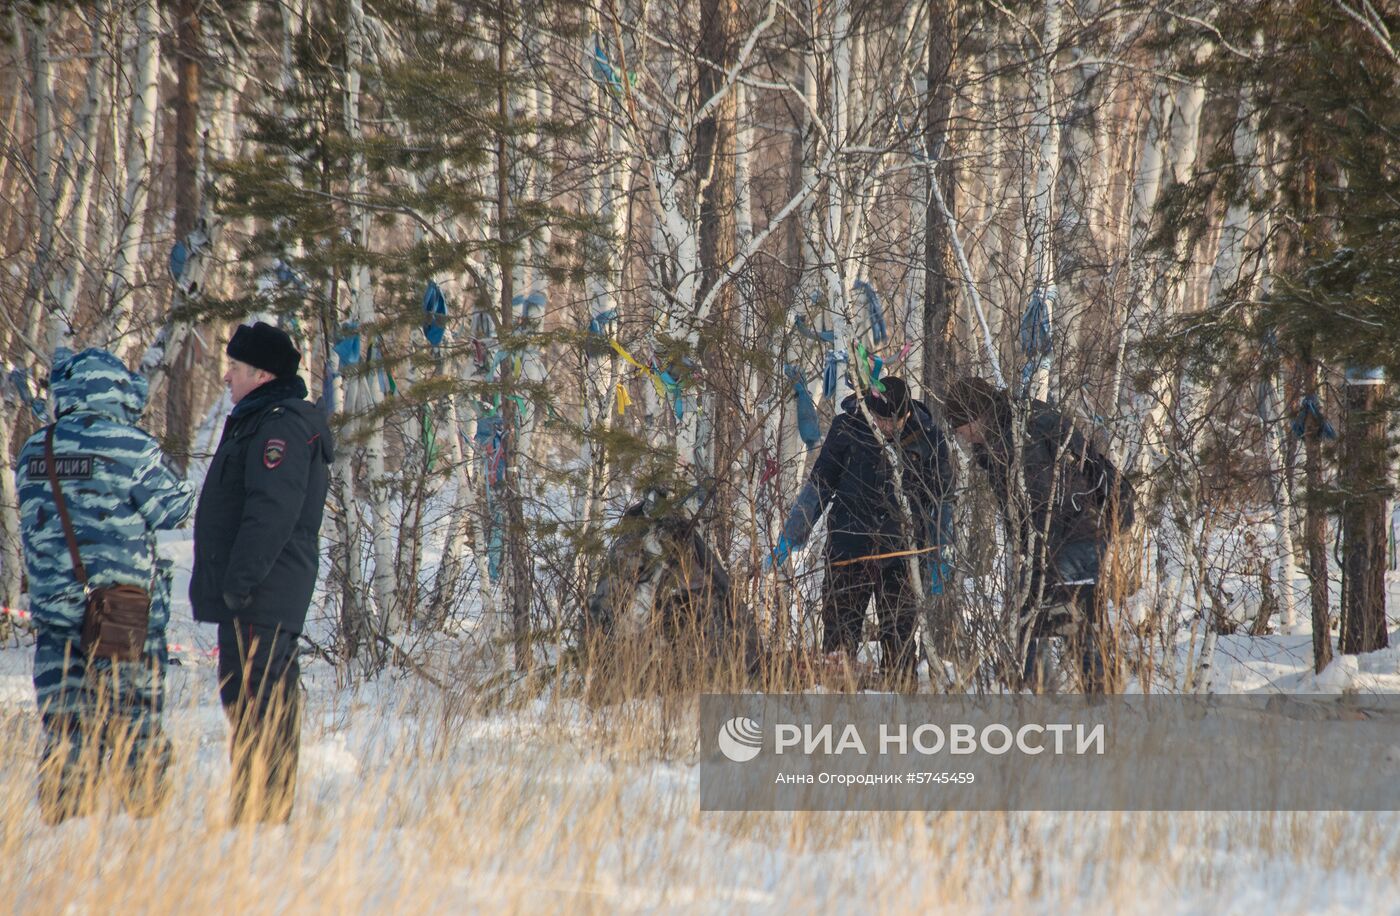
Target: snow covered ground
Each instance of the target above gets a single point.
(410, 801)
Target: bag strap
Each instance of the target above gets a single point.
(63, 507)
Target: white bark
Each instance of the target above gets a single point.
(743, 197)
(10, 555)
(835, 283)
(605, 195)
(362, 311)
(139, 145)
(66, 286)
(1045, 131)
(41, 99)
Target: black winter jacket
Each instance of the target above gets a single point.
(257, 527)
(852, 474)
(1069, 482)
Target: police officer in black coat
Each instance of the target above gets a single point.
(255, 559)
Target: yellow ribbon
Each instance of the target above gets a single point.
(655, 379)
(623, 400)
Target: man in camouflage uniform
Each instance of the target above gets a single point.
(119, 492)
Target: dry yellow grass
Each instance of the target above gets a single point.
(410, 802)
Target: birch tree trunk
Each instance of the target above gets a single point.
(361, 391)
(518, 557)
(715, 145)
(139, 146)
(605, 196)
(11, 562)
(1045, 133)
(67, 284)
(938, 285)
(186, 350)
(1225, 274)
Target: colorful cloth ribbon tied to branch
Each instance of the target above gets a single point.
(878, 332)
(606, 73)
(598, 325)
(667, 387)
(808, 427)
(286, 276)
(434, 314)
(529, 309)
(803, 328)
(491, 443)
(179, 256)
(483, 324)
(868, 368)
(348, 346)
(600, 331)
(1035, 333)
(387, 385)
(1310, 408)
(831, 373)
(18, 377)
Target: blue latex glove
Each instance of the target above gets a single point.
(779, 555)
(938, 573)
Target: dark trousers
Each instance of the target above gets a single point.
(849, 589)
(259, 686)
(1067, 606)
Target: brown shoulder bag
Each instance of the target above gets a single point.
(116, 617)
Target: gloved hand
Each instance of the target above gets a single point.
(937, 574)
(237, 602)
(779, 555)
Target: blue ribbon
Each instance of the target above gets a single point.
(285, 275)
(1035, 334)
(598, 326)
(878, 332)
(673, 392)
(830, 376)
(528, 307)
(434, 314)
(808, 428)
(348, 346)
(1035, 324)
(604, 70)
(19, 377)
(179, 256)
(1311, 407)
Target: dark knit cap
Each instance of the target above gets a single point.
(972, 399)
(892, 402)
(265, 347)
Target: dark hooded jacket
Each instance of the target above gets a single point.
(1074, 492)
(257, 527)
(852, 475)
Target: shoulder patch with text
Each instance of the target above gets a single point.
(273, 452)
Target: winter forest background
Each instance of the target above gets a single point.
(541, 256)
(546, 257)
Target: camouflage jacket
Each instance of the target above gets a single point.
(118, 487)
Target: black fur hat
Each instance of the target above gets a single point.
(265, 347)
